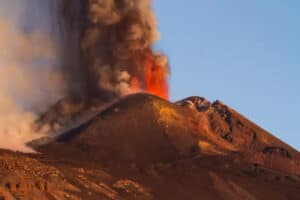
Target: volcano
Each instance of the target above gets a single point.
(145, 147)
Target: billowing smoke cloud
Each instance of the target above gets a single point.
(58, 57)
(108, 45)
(29, 76)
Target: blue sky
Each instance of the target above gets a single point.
(245, 53)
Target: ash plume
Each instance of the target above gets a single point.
(107, 45)
(59, 57)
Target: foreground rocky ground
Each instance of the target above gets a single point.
(143, 147)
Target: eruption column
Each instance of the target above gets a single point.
(108, 39)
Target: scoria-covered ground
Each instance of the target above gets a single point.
(143, 147)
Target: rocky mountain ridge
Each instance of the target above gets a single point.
(144, 147)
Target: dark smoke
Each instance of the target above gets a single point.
(105, 43)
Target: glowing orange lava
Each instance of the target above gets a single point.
(155, 78)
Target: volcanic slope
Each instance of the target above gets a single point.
(144, 147)
(144, 128)
(140, 128)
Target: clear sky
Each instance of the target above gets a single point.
(244, 53)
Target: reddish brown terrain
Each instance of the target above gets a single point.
(146, 148)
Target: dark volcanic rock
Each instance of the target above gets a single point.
(198, 103)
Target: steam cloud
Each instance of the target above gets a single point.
(29, 78)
